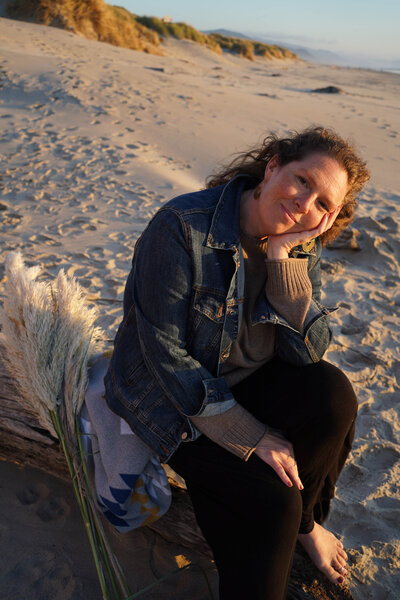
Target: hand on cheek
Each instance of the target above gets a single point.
(332, 218)
(279, 246)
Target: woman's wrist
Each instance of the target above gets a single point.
(276, 251)
(277, 254)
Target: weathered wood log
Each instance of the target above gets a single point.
(23, 440)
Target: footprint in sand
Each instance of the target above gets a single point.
(40, 574)
(353, 480)
(10, 219)
(77, 226)
(53, 509)
(32, 493)
(43, 239)
(354, 326)
(49, 508)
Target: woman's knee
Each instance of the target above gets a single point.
(336, 400)
(274, 501)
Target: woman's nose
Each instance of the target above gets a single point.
(305, 201)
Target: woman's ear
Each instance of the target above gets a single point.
(272, 164)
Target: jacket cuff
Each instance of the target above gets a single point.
(236, 430)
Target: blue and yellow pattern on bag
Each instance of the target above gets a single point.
(131, 485)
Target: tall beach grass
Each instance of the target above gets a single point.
(93, 19)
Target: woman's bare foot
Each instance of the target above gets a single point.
(326, 552)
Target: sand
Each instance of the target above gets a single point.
(94, 140)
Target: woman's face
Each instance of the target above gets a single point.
(295, 197)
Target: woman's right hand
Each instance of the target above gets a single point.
(277, 452)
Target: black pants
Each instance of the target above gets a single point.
(249, 517)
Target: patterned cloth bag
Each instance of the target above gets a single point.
(131, 485)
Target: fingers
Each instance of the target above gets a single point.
(286, 469)
(332, 217)
(279, 246)
(277, 452)
(280, 471)
(326, 223)
(293, 472)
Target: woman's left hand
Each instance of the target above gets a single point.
(279, 246)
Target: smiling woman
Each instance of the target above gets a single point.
(222, 317)
(303, 196)
(321, 161)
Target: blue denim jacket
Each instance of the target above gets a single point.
(182, 311)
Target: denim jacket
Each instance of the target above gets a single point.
(183, 306)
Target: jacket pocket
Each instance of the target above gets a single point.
(206, 324)
(136, 373)
(210, 304)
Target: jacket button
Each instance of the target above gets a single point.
(184, 435)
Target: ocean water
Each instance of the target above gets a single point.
(397, 71)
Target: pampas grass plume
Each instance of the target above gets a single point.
(50, 336)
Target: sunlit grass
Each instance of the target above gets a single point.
(249, 48)
(115, 25)
(93, 19)
(180, 31)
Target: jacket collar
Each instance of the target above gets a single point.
(224, 232)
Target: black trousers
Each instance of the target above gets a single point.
(249, 517)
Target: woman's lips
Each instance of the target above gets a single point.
(288, 214)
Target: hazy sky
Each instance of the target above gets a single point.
(364, 27)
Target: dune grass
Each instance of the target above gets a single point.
(249, 48)
(93, 19)
(115, 25)
(181, 31)
(245, 48)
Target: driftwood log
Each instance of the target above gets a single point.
(22, 439)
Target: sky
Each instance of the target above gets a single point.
(368, 28)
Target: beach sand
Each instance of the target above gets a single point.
(94, 140)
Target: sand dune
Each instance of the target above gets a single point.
(94, 140)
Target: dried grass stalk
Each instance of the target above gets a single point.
(50, 336)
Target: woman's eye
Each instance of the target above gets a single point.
(302, 180)
(323, 206)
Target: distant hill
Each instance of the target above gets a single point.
(303, 52)
(228, 33)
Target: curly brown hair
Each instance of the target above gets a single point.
(298, 146)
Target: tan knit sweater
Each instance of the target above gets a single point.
(288, 289)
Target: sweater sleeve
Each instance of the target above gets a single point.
(289, 290)
(236, 430)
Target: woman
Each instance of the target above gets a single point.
(223, 335)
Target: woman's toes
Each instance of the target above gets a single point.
(326, 552)
(340, 567)
(338, 563)
(343, 554)
(333, 575)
